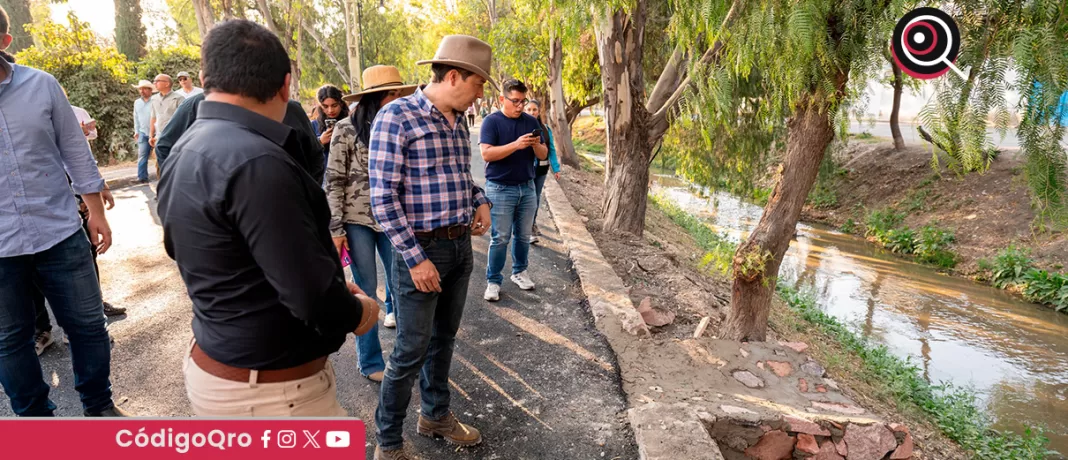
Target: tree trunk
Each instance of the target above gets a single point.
(352, 45)
(620, 37)
(756, 263)
(205, 17)
(323, 45)
(227, 9)
(129, 31)
(19, 15)
(895, 126)
(565, 149)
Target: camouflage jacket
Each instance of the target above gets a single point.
(348, 187)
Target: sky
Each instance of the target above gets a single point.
(100, 14)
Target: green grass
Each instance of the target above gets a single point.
(954, 410)
(719, 251)
(589, 147)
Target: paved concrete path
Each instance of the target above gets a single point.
(530, 371)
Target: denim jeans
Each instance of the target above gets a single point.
(513, 216)
(363, 241)
(143, 150)
(539, 185)
(426, 333)
(64, 273)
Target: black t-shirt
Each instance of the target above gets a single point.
(497, 130)
(249, 230)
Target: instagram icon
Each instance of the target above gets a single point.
(287, 439)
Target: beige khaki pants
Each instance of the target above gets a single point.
(314, 396)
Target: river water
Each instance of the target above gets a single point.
(1014, 354)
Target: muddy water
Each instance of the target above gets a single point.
(1013, 353)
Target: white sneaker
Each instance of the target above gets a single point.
(534, 239)
(493, 292)
(521, 280)
(390, 321)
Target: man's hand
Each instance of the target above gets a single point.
(152, 141)
(342, 245)
(524, 141)
(426, 277)
(85, 128)
(99, 232)
(369, 318)
(354, 289)
(137, 137)
(482, 221)
(109, 200)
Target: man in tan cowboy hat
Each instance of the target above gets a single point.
(425, 200)
(142, 119)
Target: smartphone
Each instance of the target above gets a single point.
(536, 133)
(345, 260)
(330, 123)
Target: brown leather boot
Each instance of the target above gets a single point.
(449, 428)
(395, 454)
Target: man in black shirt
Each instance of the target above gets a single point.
(249, 231)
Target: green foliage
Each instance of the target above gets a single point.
(915, 201)
(129, 31)
(590, 147)
(95, 78)
(880, 222)
(954, 410)
(849, 226)
(1044, 287)
(170, 61)
(932, 247)
(901, 241)
(1040, 57)
(823, 193)
(1009, 266)
(720, 249)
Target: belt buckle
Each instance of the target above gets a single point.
(448, 232)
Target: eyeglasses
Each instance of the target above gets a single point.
(519, 102)
(182, 78)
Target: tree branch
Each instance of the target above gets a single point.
(265, 11)
(329, 52)
(673, 71)
(711, 56)
(927, 137)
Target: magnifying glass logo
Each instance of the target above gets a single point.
(926, 44)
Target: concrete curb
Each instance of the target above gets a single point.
(604, 289)
(662, 432)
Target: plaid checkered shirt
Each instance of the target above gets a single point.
(420, 169)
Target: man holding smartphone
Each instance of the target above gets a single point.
(510, 140)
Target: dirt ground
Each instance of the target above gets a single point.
(986, 212)
(661, 266)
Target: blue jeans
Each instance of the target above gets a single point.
(143, 150)
(539, 185)
(362, 243)
(65, 274)
(512, 215)
(426, 333)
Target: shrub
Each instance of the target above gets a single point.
(849, 226)
(1044, 287)
(170, 61)
(933, 247)
(95, 78)
(901, 241)
(1009, 266)
(880, 222)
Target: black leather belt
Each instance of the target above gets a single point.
(444, 233)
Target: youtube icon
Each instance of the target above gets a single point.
(337, 439)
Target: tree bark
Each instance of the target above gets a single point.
(19, 15)
(130, 36)
(565, 149)
(620, 38)
(227, 9)
(895, 125)
(756, 263)
(352, 45)
(205, 16)
(574, 108)
(286, 36)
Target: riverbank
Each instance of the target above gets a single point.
(662, 270)
(985, 213)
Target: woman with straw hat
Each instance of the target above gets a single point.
(348, 190)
